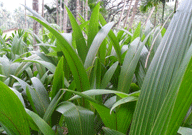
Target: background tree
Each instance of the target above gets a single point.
(57, 12)
(25, 16)
(65, 16)
(60, 8)
(51, 14)
(35, 24)
(120, 18)
(77, 10)
(42, 11)
(86, 10)
(133, 13)
(128, 13)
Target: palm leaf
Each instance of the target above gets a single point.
(163, 69)
(78, 117)
(13, 117)
(78, 37)
(75, 63)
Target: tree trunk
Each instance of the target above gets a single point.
(42, 8)
(162, 20)
(42, 14)
(120, 18)
(83, 9)
(65, 17)
(128, 13)
(35, 24)
(77, 11)
(86, 10)
(57, 12)
(155, 19)
(61, 14)
(25, 16)
(134, 13)
(176, 5)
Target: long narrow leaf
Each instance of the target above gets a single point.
(112, 37)
(108, 75)
(163, 69)
(13, 117)
(123, 101)
(95, 92)
(129, 65)
(96, 44)
(41, 124)
(53, 105)
(177, 101)
(75, 64)
(41, 91)
(78, 35)
(78, 117)
(58, 80)
(93, 25)
(104, 112)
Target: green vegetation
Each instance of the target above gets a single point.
(96, 81)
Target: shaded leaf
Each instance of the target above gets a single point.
(41, 124)
(78, 117)
(13, 117)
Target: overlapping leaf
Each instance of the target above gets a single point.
(13, 117)
(163, 69)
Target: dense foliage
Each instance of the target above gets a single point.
(96, 80)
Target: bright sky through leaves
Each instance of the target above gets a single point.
(11, 5)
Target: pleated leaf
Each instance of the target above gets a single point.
(113, 38)
(78, 36)
(130, 63)
(48, 65)
(128, 67)
(13, 117)
(42, 92)
(163, 69)
(101, 35)
(177, 101)
(123, 101)
(80, 121)
(40, 123)
(94, 92)
(74, 61)
(38, 101)
(108, 75)
(58, 80)
(119, 120)
(53, 105)
(93, 25)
